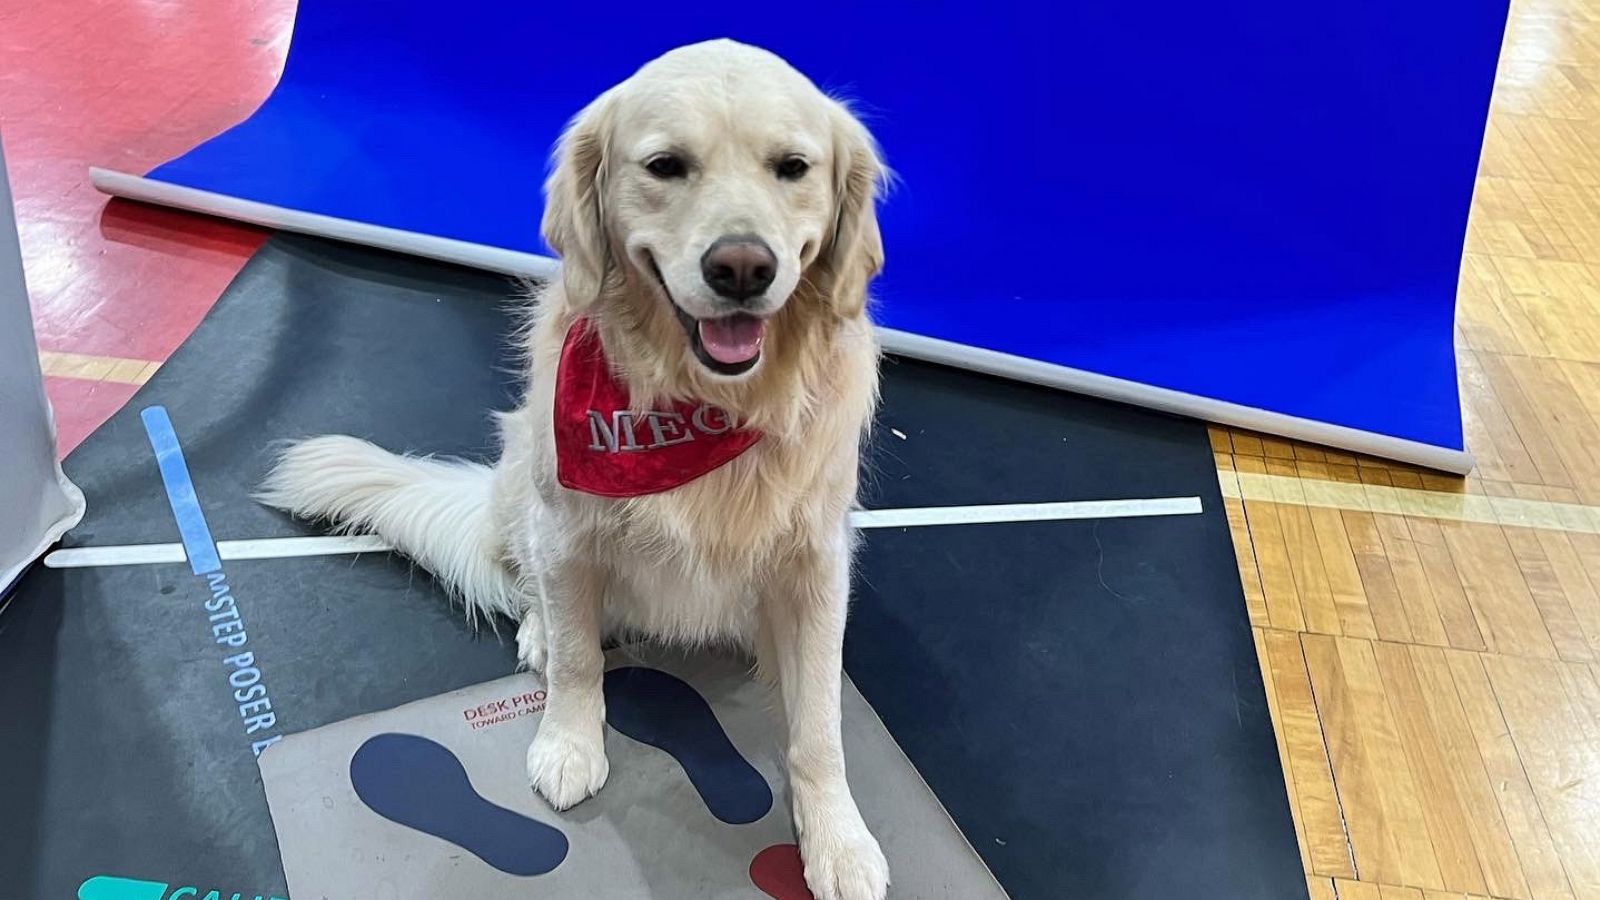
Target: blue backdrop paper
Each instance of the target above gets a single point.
(1258, 202)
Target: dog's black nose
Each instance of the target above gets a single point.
(739, 266)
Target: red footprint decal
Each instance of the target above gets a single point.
(777, 871)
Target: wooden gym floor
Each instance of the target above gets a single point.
(1431, 646)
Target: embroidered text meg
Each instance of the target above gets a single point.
(623, 432)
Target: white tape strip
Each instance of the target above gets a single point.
(261, 548)
(1024, 512)
(1377, 498)
(333, 545)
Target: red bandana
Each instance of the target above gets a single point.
(603, 448)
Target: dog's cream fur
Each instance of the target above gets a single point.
(757, 551)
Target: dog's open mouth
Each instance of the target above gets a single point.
(730, 345)
(727, 345)
(732, 341)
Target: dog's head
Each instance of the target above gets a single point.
(704, 190)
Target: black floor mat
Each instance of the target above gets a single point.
(1083, 696)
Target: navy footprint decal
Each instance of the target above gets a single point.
(420, 784)
(663, 711)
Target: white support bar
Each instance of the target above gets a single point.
(466, 253)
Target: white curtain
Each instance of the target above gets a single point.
(37, 502)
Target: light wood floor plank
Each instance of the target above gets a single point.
(1318, 888)
(1536, 848)
(1304, 553)
(1526, 419)
(1255, 599)
(1315, 801)
(1356, 890)
(1468, 777)
(1443, 808)
(1411, 580)
(1377, 577)
(1549, 595)
(1461, 626)
(1272, 557)
(1560, 752)
(1377, 787)
(1495, 587)
(1338, 558)
(1279, 733)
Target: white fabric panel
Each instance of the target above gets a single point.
(37, 502)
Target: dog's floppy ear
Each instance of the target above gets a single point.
(574, 218)
(854, 251)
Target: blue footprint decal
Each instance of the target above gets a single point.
(658, 709)
(420, 784)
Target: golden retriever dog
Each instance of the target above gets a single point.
(715, 218)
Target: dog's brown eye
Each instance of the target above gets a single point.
(792, 168)
(667, 166)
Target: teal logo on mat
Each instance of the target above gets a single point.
(110, 887)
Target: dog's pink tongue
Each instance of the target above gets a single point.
(733, 340)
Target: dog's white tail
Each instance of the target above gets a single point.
(438, 512)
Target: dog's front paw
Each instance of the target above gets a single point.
(842, 859)
(566, 767)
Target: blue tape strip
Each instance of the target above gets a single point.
(197, 543)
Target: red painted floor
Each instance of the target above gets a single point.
(82, 406)
(127, 84)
